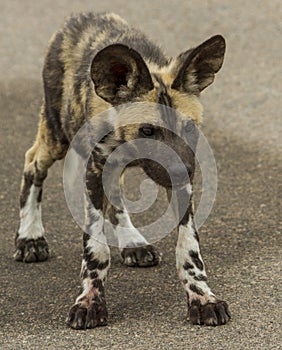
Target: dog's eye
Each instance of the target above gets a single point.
(147, 131)
(189, 126)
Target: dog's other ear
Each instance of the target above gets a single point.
(196, 68)
(119, 74)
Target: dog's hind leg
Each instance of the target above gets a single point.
(135, 249)
(31, 245)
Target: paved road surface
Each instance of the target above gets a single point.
(241, 241)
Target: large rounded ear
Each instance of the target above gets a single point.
(119, 74)
(196, 67)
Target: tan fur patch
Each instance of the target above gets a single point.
(188, 105)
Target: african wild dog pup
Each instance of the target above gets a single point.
(95, 62)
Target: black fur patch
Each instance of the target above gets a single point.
(85, 274)
(94, 187)
(200, 278)
(164, 100)
(97, 283)
(187, 266)
(86, 237)
(196, 235)
(28, 181)
(53, 75)
(39, 196)
(93, 275)
(96, 264)
(182, 200)
(195, 302)
(112, 212)
(196, 289)
(196, 260)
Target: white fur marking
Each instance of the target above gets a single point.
(97, 244)
(96, 228)
(127, 234)
(189, 189)
(187, 242)
(31, 223)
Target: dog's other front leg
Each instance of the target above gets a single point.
(90, 309)
(203, 307)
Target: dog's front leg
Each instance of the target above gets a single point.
(90, 309)
(203, 306)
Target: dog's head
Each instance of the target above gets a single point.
(121, 76)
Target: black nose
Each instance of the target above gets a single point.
(180, 172)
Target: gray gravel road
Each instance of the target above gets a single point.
(241, 240)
